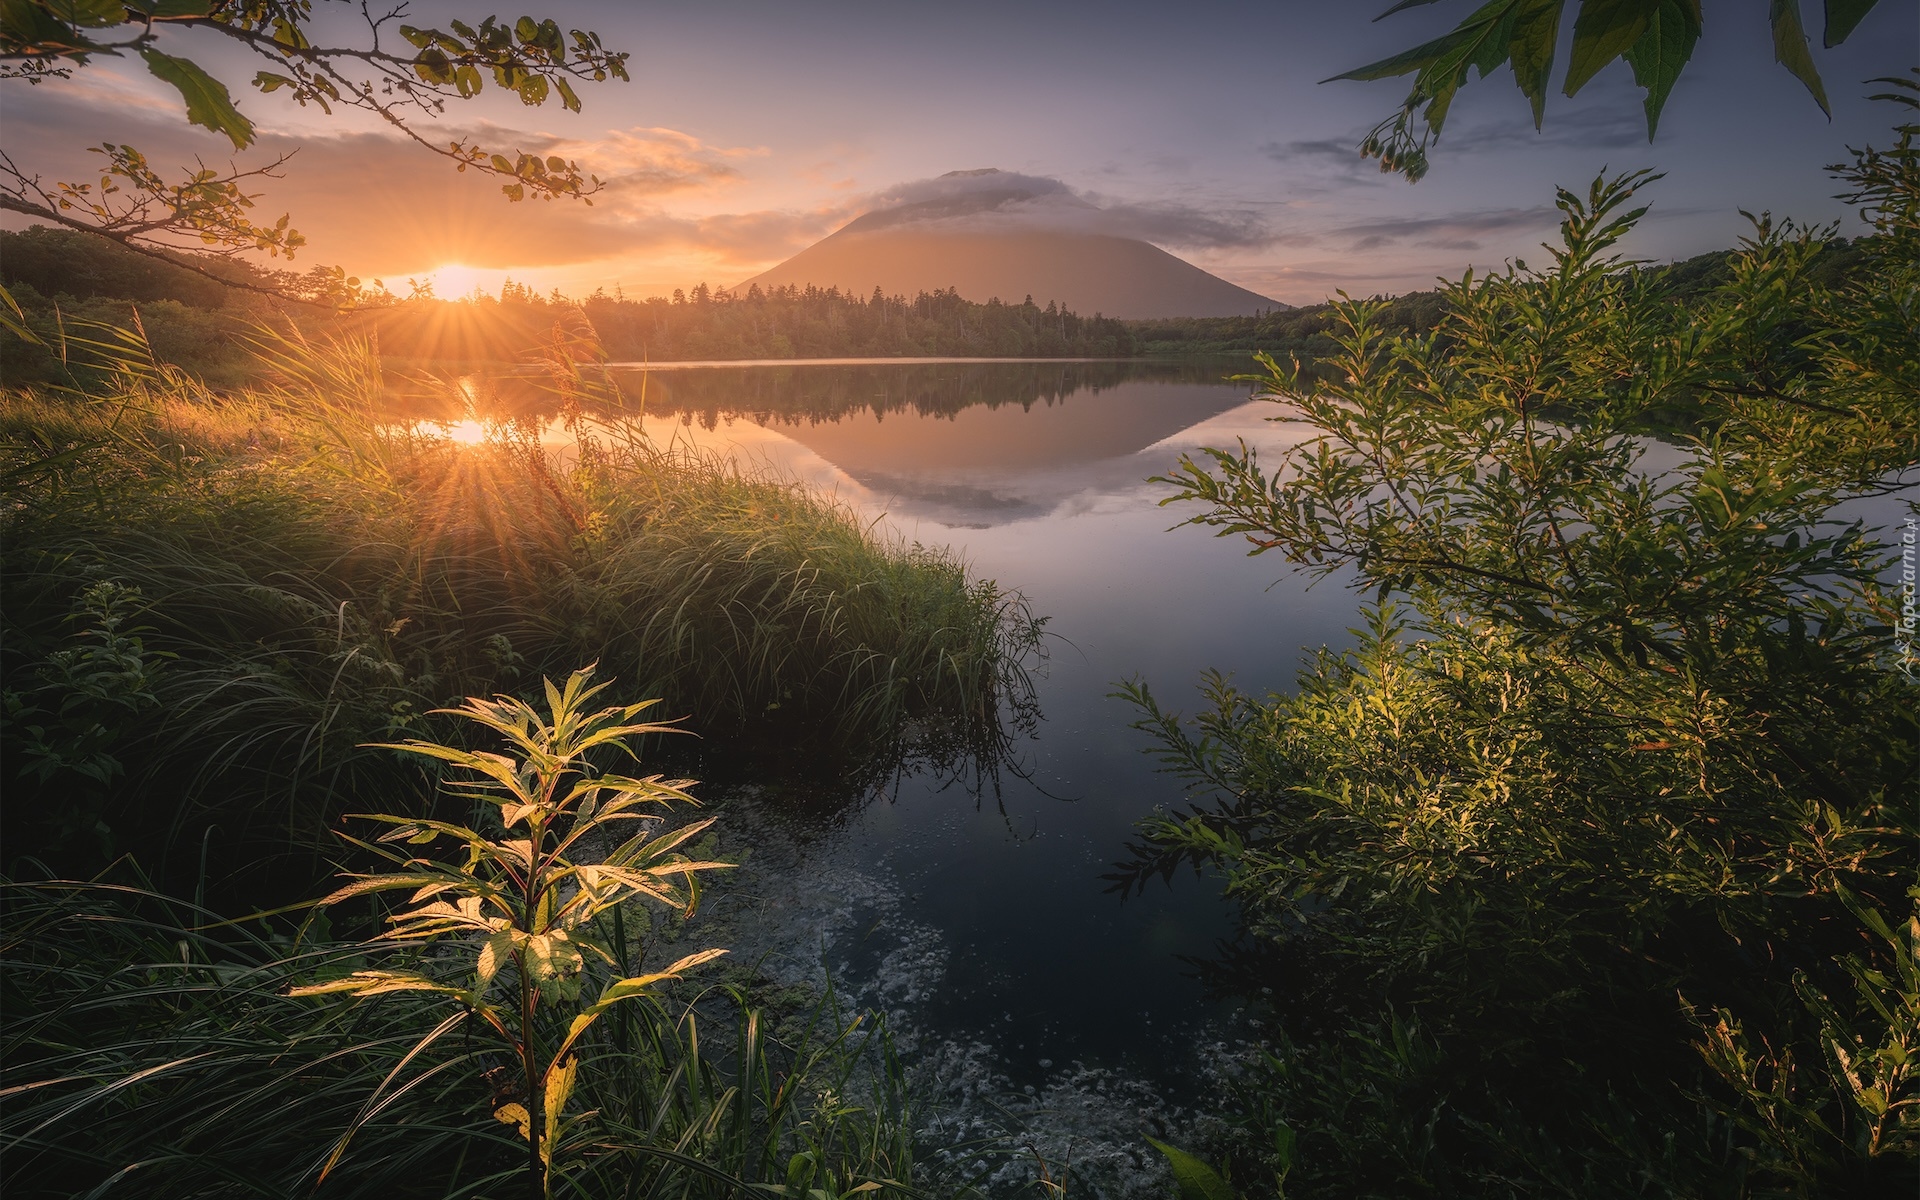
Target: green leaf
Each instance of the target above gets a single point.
(208, 103)
(433, 66)
(1406, 61)
(1496, 37)
(1196, 1180)
(1662, 51)
(627, 989)
(514, 1114)
(557, 1089)
(493, 955)
(380, 983)
(1283, 1147)
(1790, 49)
(1842, 17)
(29, 24)
(14, 321)
(1536, 30)
(1604, 30)
(88, 14)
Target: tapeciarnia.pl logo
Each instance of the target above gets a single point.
(1904, 629)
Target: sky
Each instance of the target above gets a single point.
(751, 130)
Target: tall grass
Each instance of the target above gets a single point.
(152, 1051)
(299, 573)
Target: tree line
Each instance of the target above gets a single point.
(195, 321)
(792, 322)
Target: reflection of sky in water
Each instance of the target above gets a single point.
(991, 923)
(988, 466)
(987, 931)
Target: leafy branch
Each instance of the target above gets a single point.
(399, 72)
(1656, 38)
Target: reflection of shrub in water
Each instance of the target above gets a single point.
(797, 395)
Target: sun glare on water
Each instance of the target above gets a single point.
(466, 433)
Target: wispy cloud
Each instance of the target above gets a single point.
(1186, 227)
(1597, 127)
(996, 198)
(380, 205)
(1449, 231)
(1336, 151)
(655, 161)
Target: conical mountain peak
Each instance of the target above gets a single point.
(989, 233)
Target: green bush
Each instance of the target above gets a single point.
(1589, 871)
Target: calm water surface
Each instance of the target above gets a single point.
(978, 917)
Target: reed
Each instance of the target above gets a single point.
(304, 574)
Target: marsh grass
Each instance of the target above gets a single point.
(153, 1050)
(306, 574)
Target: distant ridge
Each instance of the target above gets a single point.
(988, 238)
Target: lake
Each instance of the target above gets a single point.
(976, 916)
(974, 912)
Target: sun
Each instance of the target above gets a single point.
(451, 281)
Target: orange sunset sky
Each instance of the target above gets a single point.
(752, 130)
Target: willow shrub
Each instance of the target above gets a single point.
(1589, 870)
(295, 573)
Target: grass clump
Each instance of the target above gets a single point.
(284, 574)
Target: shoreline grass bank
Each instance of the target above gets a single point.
(214, 599)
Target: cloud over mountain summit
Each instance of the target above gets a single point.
(1001, 234)
(989, 199)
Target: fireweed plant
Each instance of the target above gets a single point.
(518, 911)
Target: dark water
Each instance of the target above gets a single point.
(978, 917)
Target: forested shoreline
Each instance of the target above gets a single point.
(200, 323)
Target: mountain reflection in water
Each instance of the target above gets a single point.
(980, 921)
(960, 445)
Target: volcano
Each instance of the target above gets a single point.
(991, 234)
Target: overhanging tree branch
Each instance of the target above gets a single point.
(530, 57)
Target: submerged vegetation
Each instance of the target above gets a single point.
(1589, 871)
